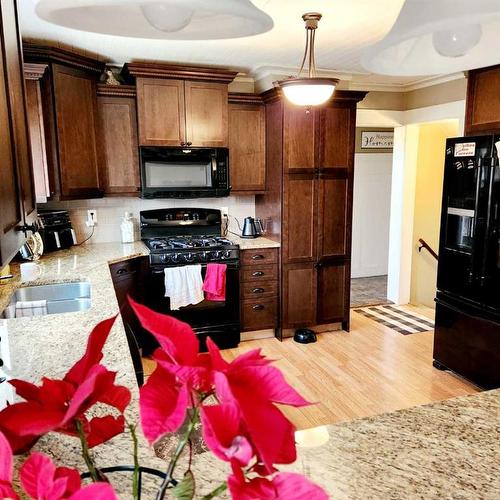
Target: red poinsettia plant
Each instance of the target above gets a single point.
(235, 402)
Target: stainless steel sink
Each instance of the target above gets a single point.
(60, 297)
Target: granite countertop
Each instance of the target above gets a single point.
(443, 450)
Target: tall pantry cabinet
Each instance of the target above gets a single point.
(308, 206)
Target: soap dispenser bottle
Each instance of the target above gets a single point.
(127, 227)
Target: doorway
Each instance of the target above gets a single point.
(371, 221)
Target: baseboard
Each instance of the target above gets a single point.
(330, 327)
(257, 335)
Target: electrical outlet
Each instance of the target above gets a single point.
(91, 218)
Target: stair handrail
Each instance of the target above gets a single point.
(424, 244)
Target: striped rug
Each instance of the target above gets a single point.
(397, 318)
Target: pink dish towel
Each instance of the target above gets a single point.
(214, 285)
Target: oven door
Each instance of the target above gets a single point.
(205, 315)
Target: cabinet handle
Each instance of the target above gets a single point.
(121, 271)
(258, 273)
(258, 307)
(257, 257)
(3, 379)
(189, 143)
(258, 290)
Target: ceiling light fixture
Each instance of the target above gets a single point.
(311, 90)
(432, 37)
(159, 19)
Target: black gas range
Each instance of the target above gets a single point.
(175, 250)
(187, 236)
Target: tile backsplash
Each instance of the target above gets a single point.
(110, 213)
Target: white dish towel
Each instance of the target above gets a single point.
(183, 285)
(31, 308)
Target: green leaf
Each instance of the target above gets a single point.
(185, 489)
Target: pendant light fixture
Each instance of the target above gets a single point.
(433, 37)
(159, 19)
(309, 90)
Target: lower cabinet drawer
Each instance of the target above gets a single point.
(259, 273)
(259, 314)
(257, 291)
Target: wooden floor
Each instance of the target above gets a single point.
(369, 371)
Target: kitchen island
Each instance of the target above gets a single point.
(447, 450)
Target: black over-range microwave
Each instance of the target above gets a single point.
(171, 172)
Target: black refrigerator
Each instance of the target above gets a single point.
(467, 332)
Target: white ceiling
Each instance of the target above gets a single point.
(348, 26)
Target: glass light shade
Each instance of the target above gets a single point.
(308, 91)
(159, 19)
(438, 37)
(169, 18)
(457, 42)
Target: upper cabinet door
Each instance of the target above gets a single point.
(77, 129)
(299, 139)
(247, 147)
(16, 93)
(161, 112)
(119, 132)
(337, 131)
(206, 114)
(333, 219)
(483, 103)
(299, 218)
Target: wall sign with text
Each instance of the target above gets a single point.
(373, 139)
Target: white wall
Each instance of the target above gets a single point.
(404, 174)
(371, 214)
(110, 212)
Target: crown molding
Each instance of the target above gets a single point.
(34, 71)
(37, 53)
(178, 71)
(116, 90)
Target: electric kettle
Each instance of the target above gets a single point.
(252, 228)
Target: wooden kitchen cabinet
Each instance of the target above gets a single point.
(308, 208)
(299, 212)
(177, 113)
(118, 123)
(17, 194)
(299, 148)
(71, 121)
(181, 105)
(259, 289)
(299, 295)
(162, 112)
(247, 144)
(206, 114)
(333, 292)
(77, 130)
(483, 102)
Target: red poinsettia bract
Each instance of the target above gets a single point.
(284, 486)
(246, 427)
(58, 404)
(42, 480)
